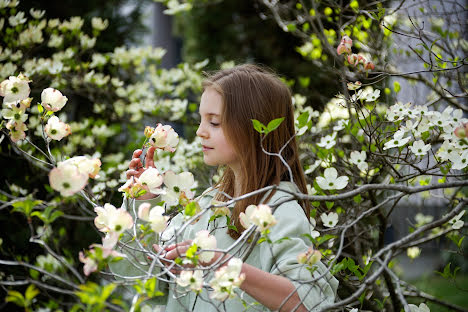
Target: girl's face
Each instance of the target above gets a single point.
(216, 148)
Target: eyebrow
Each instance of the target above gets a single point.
(212, 114)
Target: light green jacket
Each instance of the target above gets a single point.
(278, 258)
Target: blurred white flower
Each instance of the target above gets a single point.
(99, 24)
(55, 41)
(329, 220)
(422, 308)
(331, 181)
(354, 85)
(456, 222)
(260, 216)
(37, 14)
(340, 125)
(413, 252)
(204, 240)
(359, 159)
(194, 279)
(422, 219)
(327, 141)
(17, 19)
(311, 257)
(419, 148)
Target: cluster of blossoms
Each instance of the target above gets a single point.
(113, 222)
(353, 59)
(225, 281)
(310, 257)
(71, 176)
(420, 123)
(95, 255)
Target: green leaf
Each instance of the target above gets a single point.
(396, 86)
(16, 297)
(329, 205)
(258, 126)
(31, 292)
(275, 123)
(40, 108)
(357, 199)
(291, 27)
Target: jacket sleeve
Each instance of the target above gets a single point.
(280, 258)
(135, 263)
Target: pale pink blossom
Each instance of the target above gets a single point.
(164, 137)
(53, 100)
(56, 129)
(67, 179)
(152, 179)
(260, 215)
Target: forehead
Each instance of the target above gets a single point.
(211, 102)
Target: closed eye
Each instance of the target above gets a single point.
(214, 124)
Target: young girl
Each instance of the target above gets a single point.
(273, 276)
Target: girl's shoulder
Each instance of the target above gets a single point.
(283, 201)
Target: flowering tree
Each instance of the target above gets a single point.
(364, 155)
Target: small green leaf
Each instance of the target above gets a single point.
(40, 108)
(329, 205)
(258, 126)
(357, 199)
(275, 123)
(396, 86)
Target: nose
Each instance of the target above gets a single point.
(201, 132)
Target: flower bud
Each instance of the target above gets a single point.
(353, 59)
(461, 132)
(342, 49)
(53, 100)
(369, 65)
(149, 131)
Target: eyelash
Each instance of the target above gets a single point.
(214, 124)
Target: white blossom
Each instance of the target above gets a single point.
(327, 141)
(204, 240)
(260, 215)
(53, 100)
(226, 280)
(152, 179)
(67, 179)
(17, 19)
(419, 148)
(14, 89)
(192, 279)
(99, 24)
(397, 140)
(331, 181)
(456, 222)
(422, 308)
(359, 159)
(176, 184)
(329, 220)
(56, 129)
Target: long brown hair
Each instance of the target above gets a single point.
(252, 92)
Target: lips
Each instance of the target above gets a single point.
(206, 148)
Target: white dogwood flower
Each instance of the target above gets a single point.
(359, 159)
(53, 100)
(176, 184)
(419, 148)
(331, 181)
(413, 252)
(226, 280)
(327, 141)
(15, 89)
(397, 140)
(329, 220)
(192, 279)
(164, 137)
(154, 216)
(56, 129)
(99, 24)
(260, 216)
(204, 240)
(67, 179)
(152, 179)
